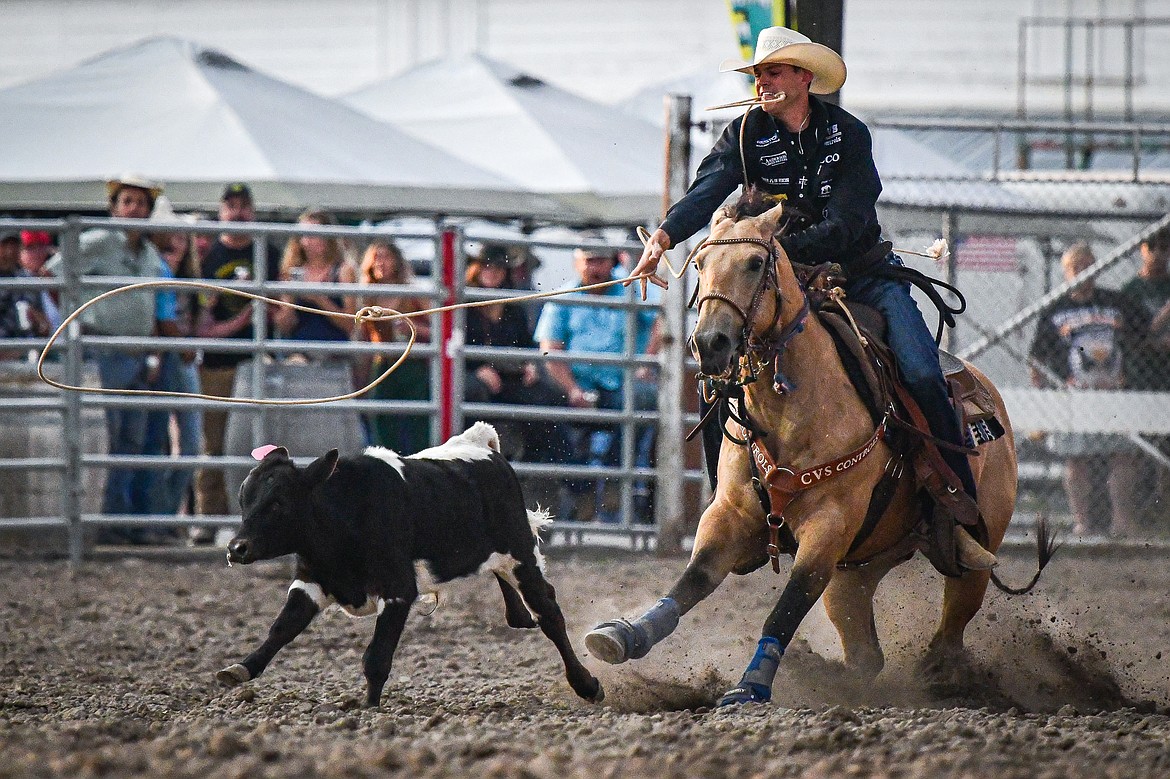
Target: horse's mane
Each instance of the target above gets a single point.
(753, 202)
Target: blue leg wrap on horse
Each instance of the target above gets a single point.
(756, 684)
(653, 626)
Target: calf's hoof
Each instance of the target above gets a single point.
(592, 691)
(233, 675)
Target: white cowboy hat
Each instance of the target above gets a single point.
(164, 213)
(780, 44)
(133, 180)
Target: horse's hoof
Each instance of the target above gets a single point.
(233, 675)
(598, 696)
(610, 641)
(745, 693)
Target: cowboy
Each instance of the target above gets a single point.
(817, 158)
(231, 257)
(122, 252)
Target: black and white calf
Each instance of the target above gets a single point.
(359, 524)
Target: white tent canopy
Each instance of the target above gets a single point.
(195, 118)
(601, 162)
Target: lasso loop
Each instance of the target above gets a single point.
(365, 314)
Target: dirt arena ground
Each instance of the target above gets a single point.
(111, 673)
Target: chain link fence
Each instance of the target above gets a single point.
(1057, 236)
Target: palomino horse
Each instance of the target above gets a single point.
(821, 420)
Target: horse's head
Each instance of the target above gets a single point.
(742, 270)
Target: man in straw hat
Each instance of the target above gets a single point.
(817, 158)
(122, 252)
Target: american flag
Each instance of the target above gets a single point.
(987, 253)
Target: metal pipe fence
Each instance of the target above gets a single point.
(62, 416)
(1005, 258)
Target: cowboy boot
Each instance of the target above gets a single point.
(965, 511)
(943, 541)
(971, 554)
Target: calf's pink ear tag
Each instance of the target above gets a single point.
(260, 452)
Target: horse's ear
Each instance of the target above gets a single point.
(770, 220)
(721, 215)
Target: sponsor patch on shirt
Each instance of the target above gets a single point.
(773, 138)
(773, 160)
(776, 182)
(826, 188)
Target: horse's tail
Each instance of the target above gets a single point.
(1046, 547)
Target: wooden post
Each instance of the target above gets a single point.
(670, 458)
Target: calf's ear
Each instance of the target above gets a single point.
(277, 452)
(321, 468)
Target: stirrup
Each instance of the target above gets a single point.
(746, 692)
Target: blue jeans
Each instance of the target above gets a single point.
(125, 430)
(917, 356)
(601, 444)
(163, 490)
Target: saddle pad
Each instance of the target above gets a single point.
(855, 361)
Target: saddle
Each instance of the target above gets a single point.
(859, 333)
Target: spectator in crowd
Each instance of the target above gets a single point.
(115, 252)
(169, 490)
(1081, 341)
(36, 247)
(230, 258)
(487, 381)
(383, 263)
(1148, 368)
(574, 328)
(21, 315)
(317, 259)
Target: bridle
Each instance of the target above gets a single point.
(767, 279)
(771, 344)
